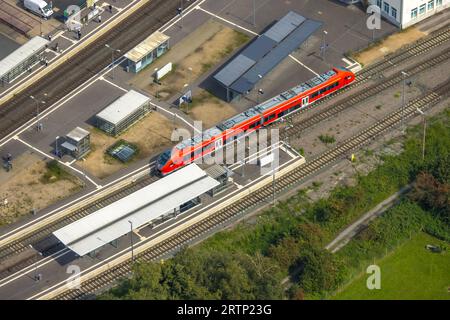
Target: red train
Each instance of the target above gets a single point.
(254, 118)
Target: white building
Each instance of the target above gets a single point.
(405, 13)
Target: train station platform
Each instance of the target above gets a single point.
(170, 195)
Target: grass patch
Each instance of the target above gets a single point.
(54, 173)
(410, 272)
(327, 139)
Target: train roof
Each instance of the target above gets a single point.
(237, 119)
(204, 136)
(293, 92)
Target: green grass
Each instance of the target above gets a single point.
(54, 173)
(410, 272)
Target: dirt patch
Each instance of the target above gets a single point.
(30, 186)
(389, 45)
(192, 57)
(151, 135)
(210, 110)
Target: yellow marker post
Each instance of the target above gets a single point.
(353, 157)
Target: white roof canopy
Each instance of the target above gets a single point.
(123, 107)
(145, 47)
(159, 198)
(21, 54)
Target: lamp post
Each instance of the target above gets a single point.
(38, 125)
(131, 240)
(56, 146)
(37, 278)
(112, 58)
(323, 44)
(424, 132)
(404, 75)
(254, 13)
(260, 92)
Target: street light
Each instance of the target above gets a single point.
(37, 277)
(254, 13)
(56, 146)
(38, 125)
(112, 57)
(260, 92)
(131, 239)
(424, 132)
(404, 75)
(323, 44)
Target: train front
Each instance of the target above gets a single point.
(163, 163)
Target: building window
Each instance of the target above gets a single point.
(430, 5)
(422, 8)
(386, 7)
(438, 3)
(379, 3)
(414, 13)
(394, 12)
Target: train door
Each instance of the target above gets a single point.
(305, 101)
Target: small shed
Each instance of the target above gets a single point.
(77, 143)
(147, 51)
(123, 113)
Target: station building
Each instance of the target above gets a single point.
(243, 72)
(405, 13)
(147, 51)
(22, 59)
(123, 113)
(77, 143)
(167, 197)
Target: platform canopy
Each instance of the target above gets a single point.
(141, 207)
(145, 47)
(22, 54)
(266, 52)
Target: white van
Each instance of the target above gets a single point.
(39, 7)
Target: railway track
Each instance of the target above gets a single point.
(104, 280)
(369, 92)
(19, 245)
(90, 60)
(411, 51)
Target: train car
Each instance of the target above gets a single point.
(254, 118)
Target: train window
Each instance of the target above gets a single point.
(270, 117)
(254, 125)
(315, 94)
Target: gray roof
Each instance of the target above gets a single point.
(268, 50)
(68, 146)
(285, 26)
(77, 134)
(18, 56)
(123, 107)
(215, 171)
(146, 204)
(234, 69)
(274, 57)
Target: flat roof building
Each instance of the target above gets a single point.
(22, 59)
(123, 112)
(77, 143)
(405, 13)
(242, 73)
(147, 51)
(166, 196)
